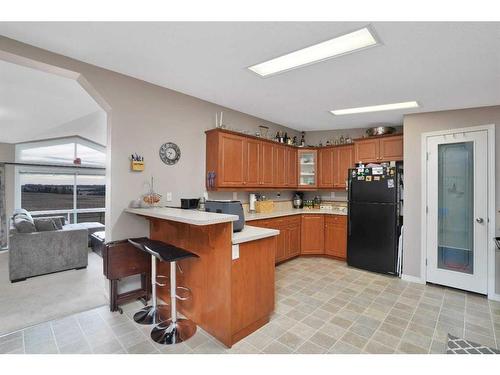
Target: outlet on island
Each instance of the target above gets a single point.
(168, 197)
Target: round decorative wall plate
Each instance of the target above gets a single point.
(170, 153)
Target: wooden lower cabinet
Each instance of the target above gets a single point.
(289, 238)
(336, 236)
(312, 234)
(308, 234)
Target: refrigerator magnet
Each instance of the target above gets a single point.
(368, 179)
(390, 183)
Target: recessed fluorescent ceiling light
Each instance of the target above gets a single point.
(326, 50)
(375, 108)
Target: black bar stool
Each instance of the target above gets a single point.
(173, 330)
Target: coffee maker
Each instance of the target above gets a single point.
(298, 200)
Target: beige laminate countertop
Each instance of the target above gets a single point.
(250, 233)
(294, 211)
(193, 217)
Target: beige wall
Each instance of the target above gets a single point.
(142, 117)
(414, 126)
(314, 138)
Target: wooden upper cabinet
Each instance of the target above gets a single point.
(307, 168)
(267, 165)
(366, 150)
(391, 148)
(252, 156)
(312, 234)
(379, 149)
(326, 161)
(232, 170)
(342, 162)
(291, 177)
(336, 236)
(280, 166)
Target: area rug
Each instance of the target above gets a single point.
(457, 345)
(43, 298)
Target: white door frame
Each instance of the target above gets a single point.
(490, 128)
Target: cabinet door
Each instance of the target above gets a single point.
(307, 169)
(232, 159)
(326, 167)
(267, 165)
(294, 239)
(291, 177)
(366, 150)
(312, 234)
(280, 166)
(391, 148)
(336, 236)
(252, 162)
(344, 159)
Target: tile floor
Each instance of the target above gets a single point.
(322, 306)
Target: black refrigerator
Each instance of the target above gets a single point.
(375, 218)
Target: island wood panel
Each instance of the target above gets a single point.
(209, 276)
(252, 292)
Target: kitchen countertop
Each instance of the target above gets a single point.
(193, 217)
(294, 211)
(250, 233)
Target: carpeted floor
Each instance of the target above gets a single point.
(43, 298)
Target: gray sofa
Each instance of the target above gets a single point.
(33, 253)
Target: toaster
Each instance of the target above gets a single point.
(230, 208)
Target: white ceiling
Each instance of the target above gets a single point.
(33, 102)
(441, 65)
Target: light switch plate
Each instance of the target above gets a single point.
(168, 197)
(236, 252)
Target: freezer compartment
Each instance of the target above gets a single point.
(373, 237)
(381, 191)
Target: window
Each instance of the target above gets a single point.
(62, 151)
(48, 187)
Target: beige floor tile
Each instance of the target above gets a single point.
(386, 339)
(342, 347)
(354, 340)
(291, 340)
(276, 348)
(323, 340)
(410, 348)
(310, 348)
(374, 347)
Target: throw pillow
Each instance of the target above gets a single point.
(22, 211)
(45, 225)
(23, 225)
(57, 223)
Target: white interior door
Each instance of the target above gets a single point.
(457, 210)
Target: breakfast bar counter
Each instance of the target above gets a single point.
(232, 281)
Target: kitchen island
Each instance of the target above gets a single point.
(232, 281)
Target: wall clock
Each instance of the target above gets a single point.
(170, 153)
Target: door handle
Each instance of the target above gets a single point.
(479, 220)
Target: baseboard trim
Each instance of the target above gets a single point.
(494, 296)
(412, 279)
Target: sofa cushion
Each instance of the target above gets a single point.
(45, 225)
(23, 224)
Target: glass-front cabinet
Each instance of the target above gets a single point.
(307, 160)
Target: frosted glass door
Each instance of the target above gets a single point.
(457, 210)
(456, 207)
(307, 168)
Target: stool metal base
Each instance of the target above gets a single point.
(169, 333)
(150, 315)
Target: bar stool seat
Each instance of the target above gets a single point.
(173, 330)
